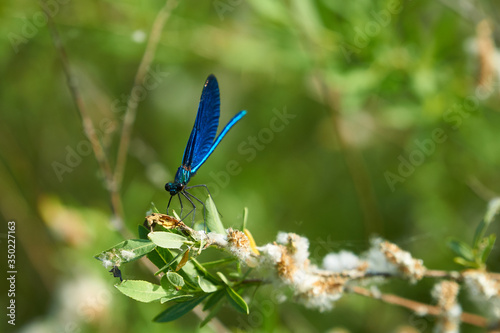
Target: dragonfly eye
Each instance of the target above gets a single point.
(173, 188)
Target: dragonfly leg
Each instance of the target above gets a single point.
(206, 188)
(204, 208)
(168, 205)
(200, 185)
(186, 195)
(180, 201)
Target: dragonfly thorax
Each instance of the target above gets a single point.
(183, 175)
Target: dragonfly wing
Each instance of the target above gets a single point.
(205, 126)
(226, 129)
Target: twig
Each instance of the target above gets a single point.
(449, 275)
(88, 126)
(418, 307)
(480, 189)
(131, 111)
(455, 275)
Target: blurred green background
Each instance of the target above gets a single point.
(344, 101)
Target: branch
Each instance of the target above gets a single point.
(285, 264)
(131, 111)
(87, 124)
(418, 307)
(320, 288)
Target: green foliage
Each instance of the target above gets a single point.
(154, 209)
(213, 220)
(167, 240)
(126, 251)
(185, 282)
(236, 300)
(475, 256)
(214, 308)
(206, 285)
(178, 310)
(175, 279)
(142, 291)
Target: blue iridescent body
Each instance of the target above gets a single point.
(202, 141)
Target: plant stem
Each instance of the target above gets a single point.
(132, 105)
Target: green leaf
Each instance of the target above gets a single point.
(236, 300)
(213, 221)
(170, 263)
(165, 255)
(245, 218)
(223, 278)
(167, 285)
(175, 298)
(154, 209)
(214, 299)
(463, 262)
(175, 279)
(462, 249)
(127, 251)
(167, 240)
(491, 212)
(203, 271)
(219, 262)
(139, 246)
(490, 242)
(178, 310)
(187, 272)
(479, 233)
(143, 232)
(206, 285)
(156, 258)
(142, 291)
(200, 267)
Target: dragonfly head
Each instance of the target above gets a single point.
(173, 188)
